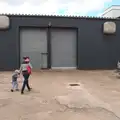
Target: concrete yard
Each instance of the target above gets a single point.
(96, 97)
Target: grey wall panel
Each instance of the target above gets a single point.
(63, 48)
(33, 43)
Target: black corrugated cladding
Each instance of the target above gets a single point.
(95, 50)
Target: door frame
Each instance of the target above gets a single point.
(50, 46)
(19, 42)
(48, 30)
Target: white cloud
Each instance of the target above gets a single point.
(68, 7)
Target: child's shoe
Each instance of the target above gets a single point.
(11, 90)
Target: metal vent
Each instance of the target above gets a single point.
(4, 22)
(109, 28)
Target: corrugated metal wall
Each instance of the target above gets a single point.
(95, 50)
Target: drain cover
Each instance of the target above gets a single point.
(74, 84)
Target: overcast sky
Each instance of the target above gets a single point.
(59, 7)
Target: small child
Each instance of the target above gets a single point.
(118, 67)
(14, 80)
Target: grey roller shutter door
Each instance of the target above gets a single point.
(63, 48)
(33, 42)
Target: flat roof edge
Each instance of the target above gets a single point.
(113, 7)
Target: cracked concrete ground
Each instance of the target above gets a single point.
(96, 98)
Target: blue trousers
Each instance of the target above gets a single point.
(14, 85)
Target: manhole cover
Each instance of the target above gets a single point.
(74, 84)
